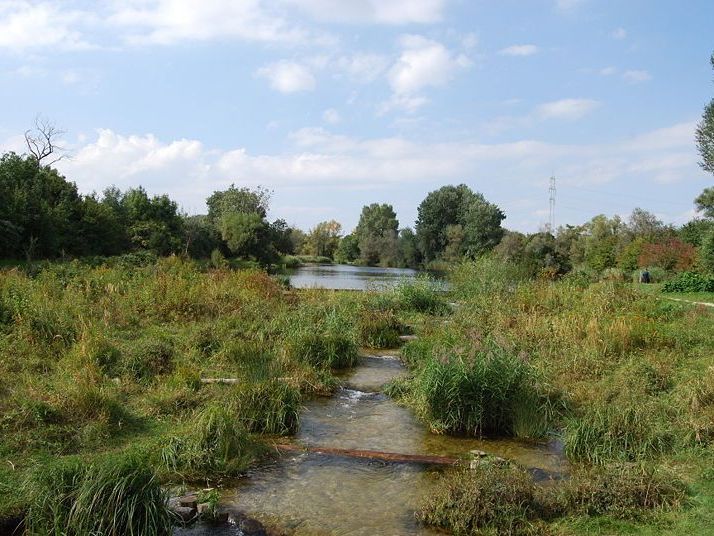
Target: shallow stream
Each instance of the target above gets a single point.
(314, 494)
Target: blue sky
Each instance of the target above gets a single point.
(334, 104)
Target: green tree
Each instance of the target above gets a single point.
(409, 249)
(705, 202)
(376, 234)
(234, 199)
(247, 234)
(323, 239)
(153, 223)
(705, 138)
(457, 205)
(201, 237)
(706, 252)
(694, 231)
(348, 249)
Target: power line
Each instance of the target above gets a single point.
(551, 207)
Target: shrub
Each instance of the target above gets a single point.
(379, 329)
(150, 356)
(690, 282)
(623, 490)
(495, 498)
(117, 495)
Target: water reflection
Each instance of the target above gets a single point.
(345, 277)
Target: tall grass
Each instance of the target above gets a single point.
(215, 443)
(477, 387)
(117, 496)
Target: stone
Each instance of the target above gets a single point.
(251, 527)
(478, 453)
(189, 501)
(185, 513)
(204, 508)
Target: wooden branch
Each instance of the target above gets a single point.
(370, 455)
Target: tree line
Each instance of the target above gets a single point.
(42, 215)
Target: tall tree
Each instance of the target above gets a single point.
(705, 135)
(234, 199)
(480, 222)
(376, 234)
(323, 239)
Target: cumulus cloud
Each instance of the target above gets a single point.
(190, 171)
(26, 25)
(170, 21)
(519, 50)
(566, 109)
(288, 76)
(423, 63)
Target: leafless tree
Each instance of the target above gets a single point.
(42, 142)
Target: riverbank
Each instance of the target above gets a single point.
(104, 368)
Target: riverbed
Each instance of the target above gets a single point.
(313, 494)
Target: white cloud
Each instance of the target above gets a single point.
(169, 21)
(519, 50)
(608, 71)
(190, 171)
(636, 76)
(288, 76)
(403, 103)
(331, 116)
(26, 25)
(422, 63)
(373, 11)
(619, 34)
(566, 109)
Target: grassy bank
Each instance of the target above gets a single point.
(103, 363)
(625, 379)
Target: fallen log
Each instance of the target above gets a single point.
(370, 455)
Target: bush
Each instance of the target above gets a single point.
(690, 282)
(379, 329)
(626, 428)
(482, 390)
(150, 356)
(420, 295)
(623, 490)
(215, 443)
(270, 407)
(117, 495)
(493, 499)
(332, 350)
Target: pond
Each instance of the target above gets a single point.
(346, 277)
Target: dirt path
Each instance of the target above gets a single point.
(705, 304)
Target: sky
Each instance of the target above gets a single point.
(334, 104)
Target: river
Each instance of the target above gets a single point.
(314, 494)
(346, 277)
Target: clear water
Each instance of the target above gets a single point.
(344, 277)
(312, 494)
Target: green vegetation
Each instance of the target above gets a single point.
(621, 377)
(103, 362)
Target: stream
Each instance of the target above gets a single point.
(313, 494)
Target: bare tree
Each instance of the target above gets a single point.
(42, 142)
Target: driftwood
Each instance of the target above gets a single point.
(220, 380)
(233, 381)
(370, 455)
